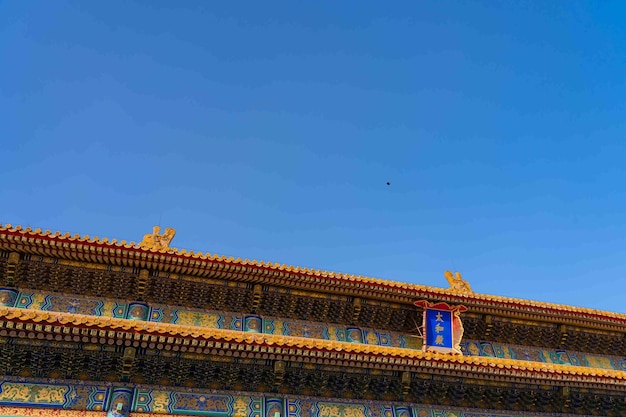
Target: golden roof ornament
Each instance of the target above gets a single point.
(157, 240)
(457, 283)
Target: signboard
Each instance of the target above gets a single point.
(443, 329)
(438, 328)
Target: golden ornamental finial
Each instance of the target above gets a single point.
(156, 240)
(457, 283)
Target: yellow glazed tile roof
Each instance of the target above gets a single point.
(115, 248)
(438, 360)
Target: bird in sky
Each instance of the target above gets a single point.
(388, 183)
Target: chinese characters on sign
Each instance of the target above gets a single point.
(439, 328)
(442, 326)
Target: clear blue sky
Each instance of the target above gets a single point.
(268, 130)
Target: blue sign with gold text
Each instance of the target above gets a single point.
(439, 328)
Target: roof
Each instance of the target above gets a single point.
(123, 253)
(173, 336)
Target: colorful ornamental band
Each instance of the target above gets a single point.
(442, 327)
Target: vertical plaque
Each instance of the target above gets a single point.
(443, 329)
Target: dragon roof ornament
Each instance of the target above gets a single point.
(156, 240)
(457, 283)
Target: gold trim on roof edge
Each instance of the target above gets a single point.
(277, 341)
(77, 238)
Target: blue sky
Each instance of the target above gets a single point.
(269, 131)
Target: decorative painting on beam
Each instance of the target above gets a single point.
(529, 353)
(82, 397)
(216, 405)
(51, 399)
(206, 319)
(38, 412)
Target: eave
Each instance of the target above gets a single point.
(104, 251)
(34, 324)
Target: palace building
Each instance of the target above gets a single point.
(93, 327)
